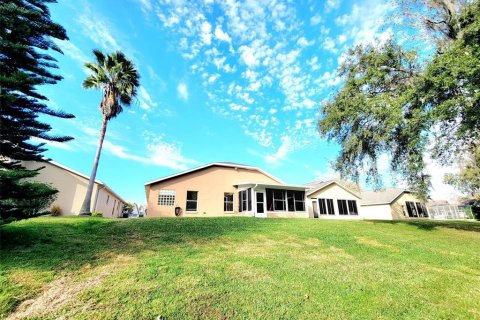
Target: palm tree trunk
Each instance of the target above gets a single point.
(85, 210)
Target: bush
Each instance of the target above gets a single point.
(56, 211)
(97, 214)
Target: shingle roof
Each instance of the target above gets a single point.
(385, 196)
(220, 164)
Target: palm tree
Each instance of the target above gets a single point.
(119, 80)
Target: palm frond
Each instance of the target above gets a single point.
(118, 77)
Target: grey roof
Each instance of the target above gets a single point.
(385, 196)
(315, 186)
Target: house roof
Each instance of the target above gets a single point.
(385, 196)
(214, 164)
(316, 186)
(271, 185)
(61, 166)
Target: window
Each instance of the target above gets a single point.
(342, 207)
(331, 209)
(422, 210)
(245, 200)
(322, 205)
(192, 200)
(228, 202)
(166, 198)
(279, 200)
(299, 201)
(108, 198)
(285, 200)
(352, 207)
(411, 209)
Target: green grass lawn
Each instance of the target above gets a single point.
(223, 268)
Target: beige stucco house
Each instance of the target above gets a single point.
(332, 200)
(392, 204)
(224, 189)
(72, 187)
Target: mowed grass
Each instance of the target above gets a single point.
(239, 268)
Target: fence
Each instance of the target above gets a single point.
(449, 212)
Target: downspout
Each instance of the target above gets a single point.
(96, 198)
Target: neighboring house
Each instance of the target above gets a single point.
(223, 189)
(332, 200)
(72, 187)
(392, 204)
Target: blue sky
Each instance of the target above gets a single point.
(229, 80)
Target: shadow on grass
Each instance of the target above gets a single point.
(432, 225)
(49, 244)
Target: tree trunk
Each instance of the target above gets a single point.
(85, 210)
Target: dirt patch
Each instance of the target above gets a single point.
(374, 243)
(64, 291)
(57, 294)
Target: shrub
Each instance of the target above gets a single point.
(56, 211)
(97, 214)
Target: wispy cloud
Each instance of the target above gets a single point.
(282, 152)
(98, 29)
(59, 145)
(145, 100)
(72, 51)
(159, 153)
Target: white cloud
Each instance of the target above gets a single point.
(238, 107)
(145, 100)
(303, 42)
(282, 152)
(98, 30)
(220, 35)
(206, 34)
(72, 51)
(363, 24)
(331, 5)
(161, 154)
(316, 19)
(55, 144)
(329, 44)
(182, 91)
(247, 55)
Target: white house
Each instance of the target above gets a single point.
(392, 204)
(332, 200)
(72, 188)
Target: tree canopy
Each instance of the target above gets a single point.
(26, 36)
(393, 104)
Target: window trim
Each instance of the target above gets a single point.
(196, 202)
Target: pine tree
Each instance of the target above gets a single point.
(26, 33)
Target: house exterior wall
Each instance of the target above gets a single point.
(211, 183)
(376, 212)
(107, 203)
(394, 211)
(335, 192)
(71, 187)
(398, 207)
